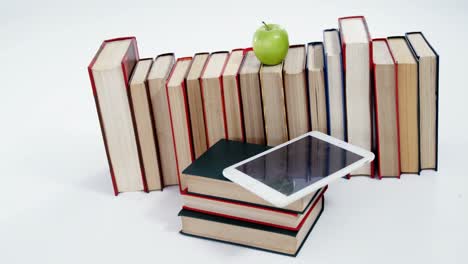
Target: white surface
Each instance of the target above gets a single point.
(281, 200)
(56, 200)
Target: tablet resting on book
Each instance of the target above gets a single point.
(294, 169)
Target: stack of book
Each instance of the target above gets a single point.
(218, 209)
(161, 118)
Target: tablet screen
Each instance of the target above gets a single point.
(296, 166)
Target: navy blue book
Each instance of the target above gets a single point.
(316, 87)
(428, 69)
(334, 82)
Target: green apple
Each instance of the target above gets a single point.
(270, 44)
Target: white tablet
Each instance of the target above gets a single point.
(294, 169)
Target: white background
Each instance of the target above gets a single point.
(57, 204)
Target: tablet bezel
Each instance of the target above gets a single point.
(280, 200)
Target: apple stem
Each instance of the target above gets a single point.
(266, 26)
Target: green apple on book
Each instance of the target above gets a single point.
(270, 44)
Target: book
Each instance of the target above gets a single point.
(386, 109)
(408, 104)
(194, 97)
(179, 113)
(297, 107)
(249, 234)
(141, 102)
(205, 175)
(157, 78)
(109, 72)
(213, 97)
(274, 106)
(428, 68)
(252, 99)
(264, 215)
(316, 86)
(356, 49)
(334, 81)
(232, 96)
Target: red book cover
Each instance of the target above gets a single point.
(203, 96)
(127, 64)
(343, 51)
(376, 110)
(187, 121)
(279, 211)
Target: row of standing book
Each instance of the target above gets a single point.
(167, 121)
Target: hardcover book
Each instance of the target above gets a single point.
(316, 86)
(213, 97)
(157, 78)
(232, 96)
(428, 67)
(274, 106)
(408, 104)
(265, 215)
(357, 54)
(109, 72)
(297, 107)
(194, 98)
(334, 81)
(205, 175)
(180, 122)
(250, 234)
(251, 95)
(140, 97)
(386, 109)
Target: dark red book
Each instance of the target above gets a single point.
(109, 72)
